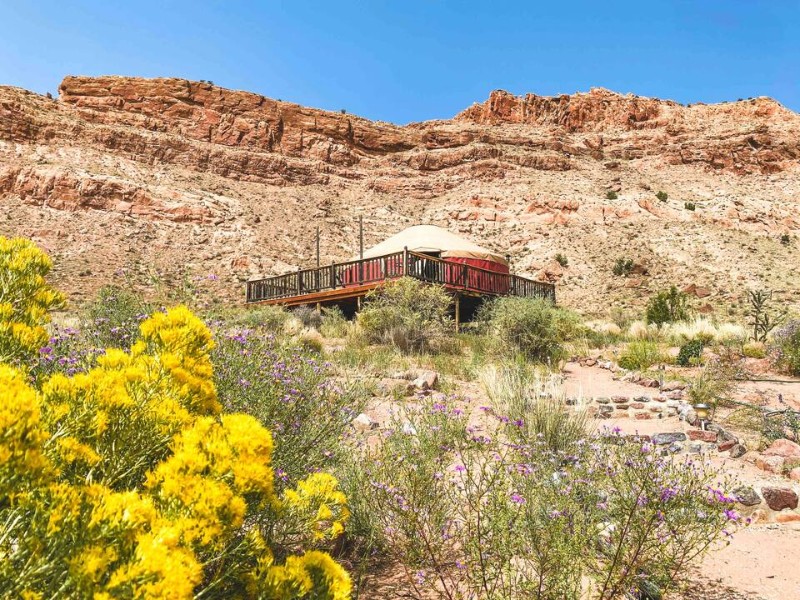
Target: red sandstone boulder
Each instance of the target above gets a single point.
(783, 448)
(779, 498)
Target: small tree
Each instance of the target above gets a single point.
(761, 317)
(667, 307)
(662, 196)
(689, 206)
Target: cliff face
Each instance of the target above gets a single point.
(126, 174)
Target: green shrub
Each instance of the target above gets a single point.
(611, 195)
(640, 356)
(689, 205)
(754, 350)
(786, 239)
(309, 316)
(623, 267)
(408, 314)
(690, 353)
(533, 327)
(562, 260)
(334, 323)
(667, 307)
(269, 317)
(662, 196)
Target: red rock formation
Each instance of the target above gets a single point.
(227, 181)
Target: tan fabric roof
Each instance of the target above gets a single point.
(430, 238)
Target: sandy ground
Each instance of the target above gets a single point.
(760, 562)
(594, 382)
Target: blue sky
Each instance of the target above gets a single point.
(411, 60)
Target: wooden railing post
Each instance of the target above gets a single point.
(333, 275)
(299, 282)
(405, 261)
(464, 275)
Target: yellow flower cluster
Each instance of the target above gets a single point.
(300, 577)
(128, 482)
(25, 299)
(318, 504)
(22, 460)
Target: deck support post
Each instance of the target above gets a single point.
(458, 312)
(319, 308)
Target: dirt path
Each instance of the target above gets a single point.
(594, 382)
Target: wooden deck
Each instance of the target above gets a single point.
(349, 280)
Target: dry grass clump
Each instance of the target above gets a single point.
(639, 330)
(536, 399)
(705, 331)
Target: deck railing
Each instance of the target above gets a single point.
(454, 276)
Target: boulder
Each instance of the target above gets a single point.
(363, 423)
(725, 445)
(770, 464)
(671, 386)
(779, 498)
(661, 439)
(738, 451)
(699, 435)
(794, 474)
(747, 496)
(783, 448)
(426, 380)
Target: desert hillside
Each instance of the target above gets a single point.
(145, 178)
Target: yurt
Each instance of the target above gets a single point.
(437, 243)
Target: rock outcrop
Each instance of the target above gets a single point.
(204, 179)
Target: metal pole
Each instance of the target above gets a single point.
(361, 250)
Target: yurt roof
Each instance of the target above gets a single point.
(430, 238)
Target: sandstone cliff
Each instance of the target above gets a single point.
(134, 178)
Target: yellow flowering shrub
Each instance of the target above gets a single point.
(128, 481)
(25, 299)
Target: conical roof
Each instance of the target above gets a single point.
(430, 238)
